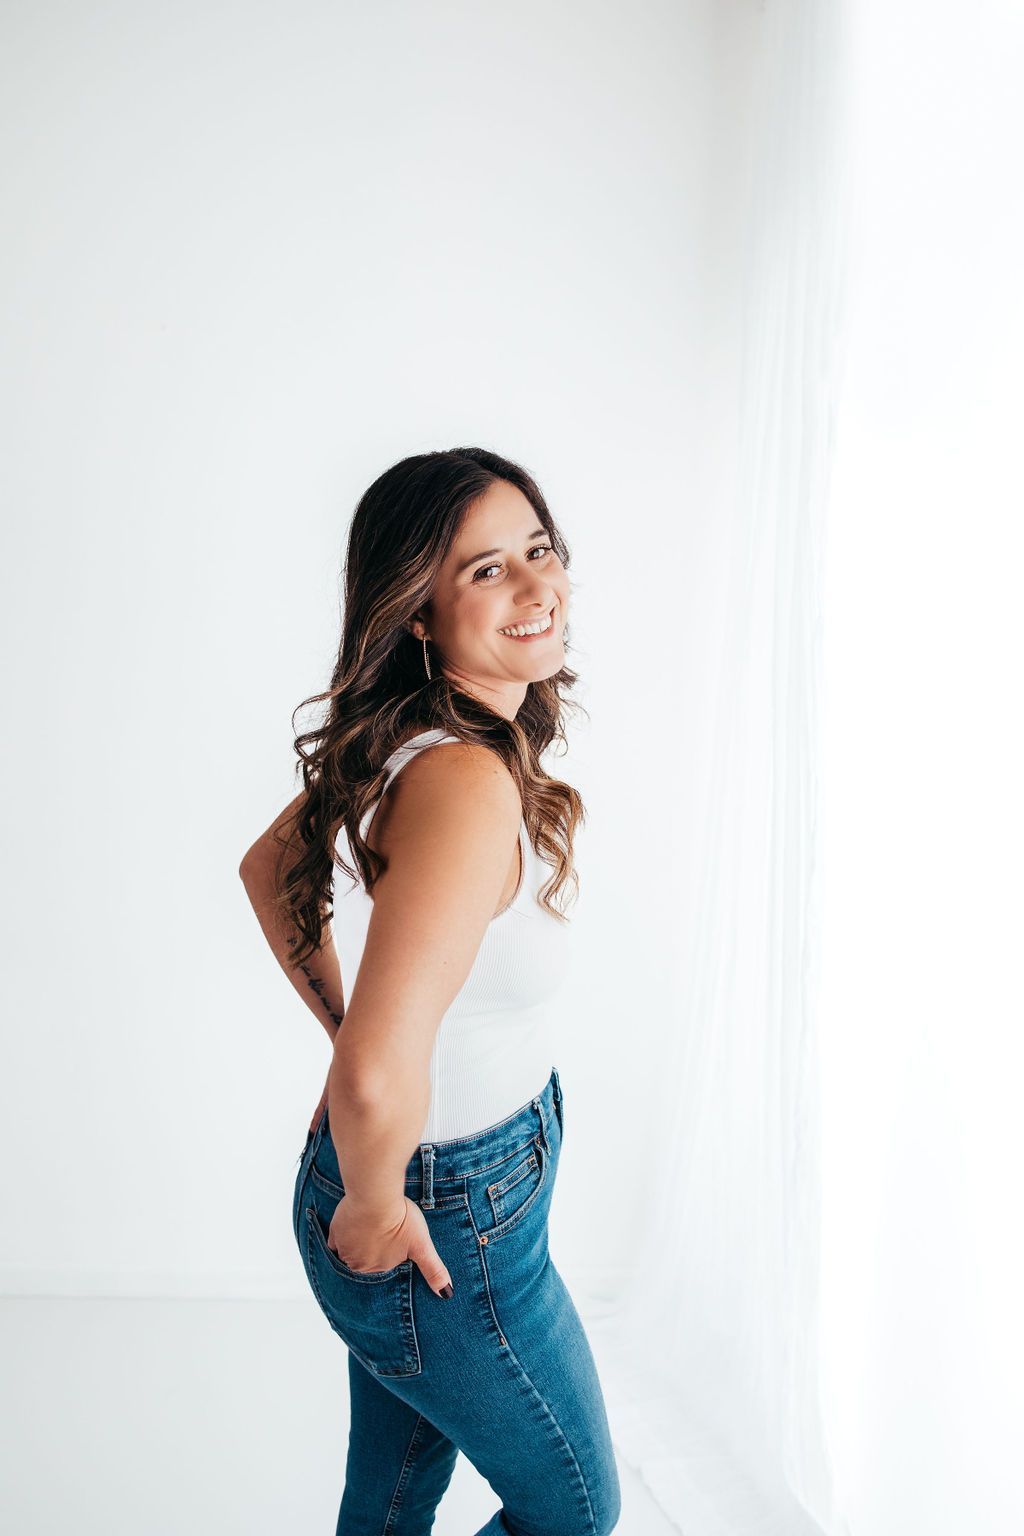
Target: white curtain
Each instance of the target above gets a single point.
(709, 1353)
(922, 991)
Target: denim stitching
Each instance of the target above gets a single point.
(427, 1166)
(539, 1107)
(498, 1194)
(300, 1200)
(511, 1355)
(403, 1477)
(493, 1233)
(520, 1172)
(409, 1311)
(471, 1173)
(323, 1306)
(327, 1185)
(407, 1320)
(330, 1188)
(337, 1193)
(366, 1277)
(483, 1267)
(563, 1438)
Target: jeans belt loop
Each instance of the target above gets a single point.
(538, 1106)
(427, 1159)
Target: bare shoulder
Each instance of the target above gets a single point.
(449, 823)
(466, 764)
(452, 780)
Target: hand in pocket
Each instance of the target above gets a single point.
(373, 1244)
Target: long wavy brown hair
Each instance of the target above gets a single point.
(379, 695)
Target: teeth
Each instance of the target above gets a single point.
(528, 629)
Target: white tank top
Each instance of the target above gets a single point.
(496, 1045)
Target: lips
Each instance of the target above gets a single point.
(543, 635)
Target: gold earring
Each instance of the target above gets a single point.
(426, 658)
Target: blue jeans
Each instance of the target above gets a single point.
(502, 1370)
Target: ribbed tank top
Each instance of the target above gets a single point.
(495, 1045)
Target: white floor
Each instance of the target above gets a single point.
(192, 1418)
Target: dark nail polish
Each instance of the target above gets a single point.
(446, 1291)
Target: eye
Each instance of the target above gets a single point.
(543, 548)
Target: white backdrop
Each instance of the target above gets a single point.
(250, 258)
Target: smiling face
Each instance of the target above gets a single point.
(502, 572)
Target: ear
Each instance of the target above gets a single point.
(417, 628)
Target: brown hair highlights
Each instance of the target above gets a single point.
(379, 694)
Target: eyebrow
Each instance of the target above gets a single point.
(485, 552)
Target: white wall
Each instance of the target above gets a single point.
(252, 256)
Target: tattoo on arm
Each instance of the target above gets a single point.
(316, 985)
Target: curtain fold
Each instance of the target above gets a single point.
(709, 1353)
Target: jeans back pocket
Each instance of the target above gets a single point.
(372, 1312)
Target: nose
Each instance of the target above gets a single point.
(535, 593)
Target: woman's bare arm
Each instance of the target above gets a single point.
(318, 979)
(450, 835)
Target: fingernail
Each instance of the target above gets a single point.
(446, 1291)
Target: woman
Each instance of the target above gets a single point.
(421, 1202)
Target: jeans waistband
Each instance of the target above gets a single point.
(435, 1165)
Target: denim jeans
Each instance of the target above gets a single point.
(502, 1370)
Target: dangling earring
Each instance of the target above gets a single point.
(426, 658)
